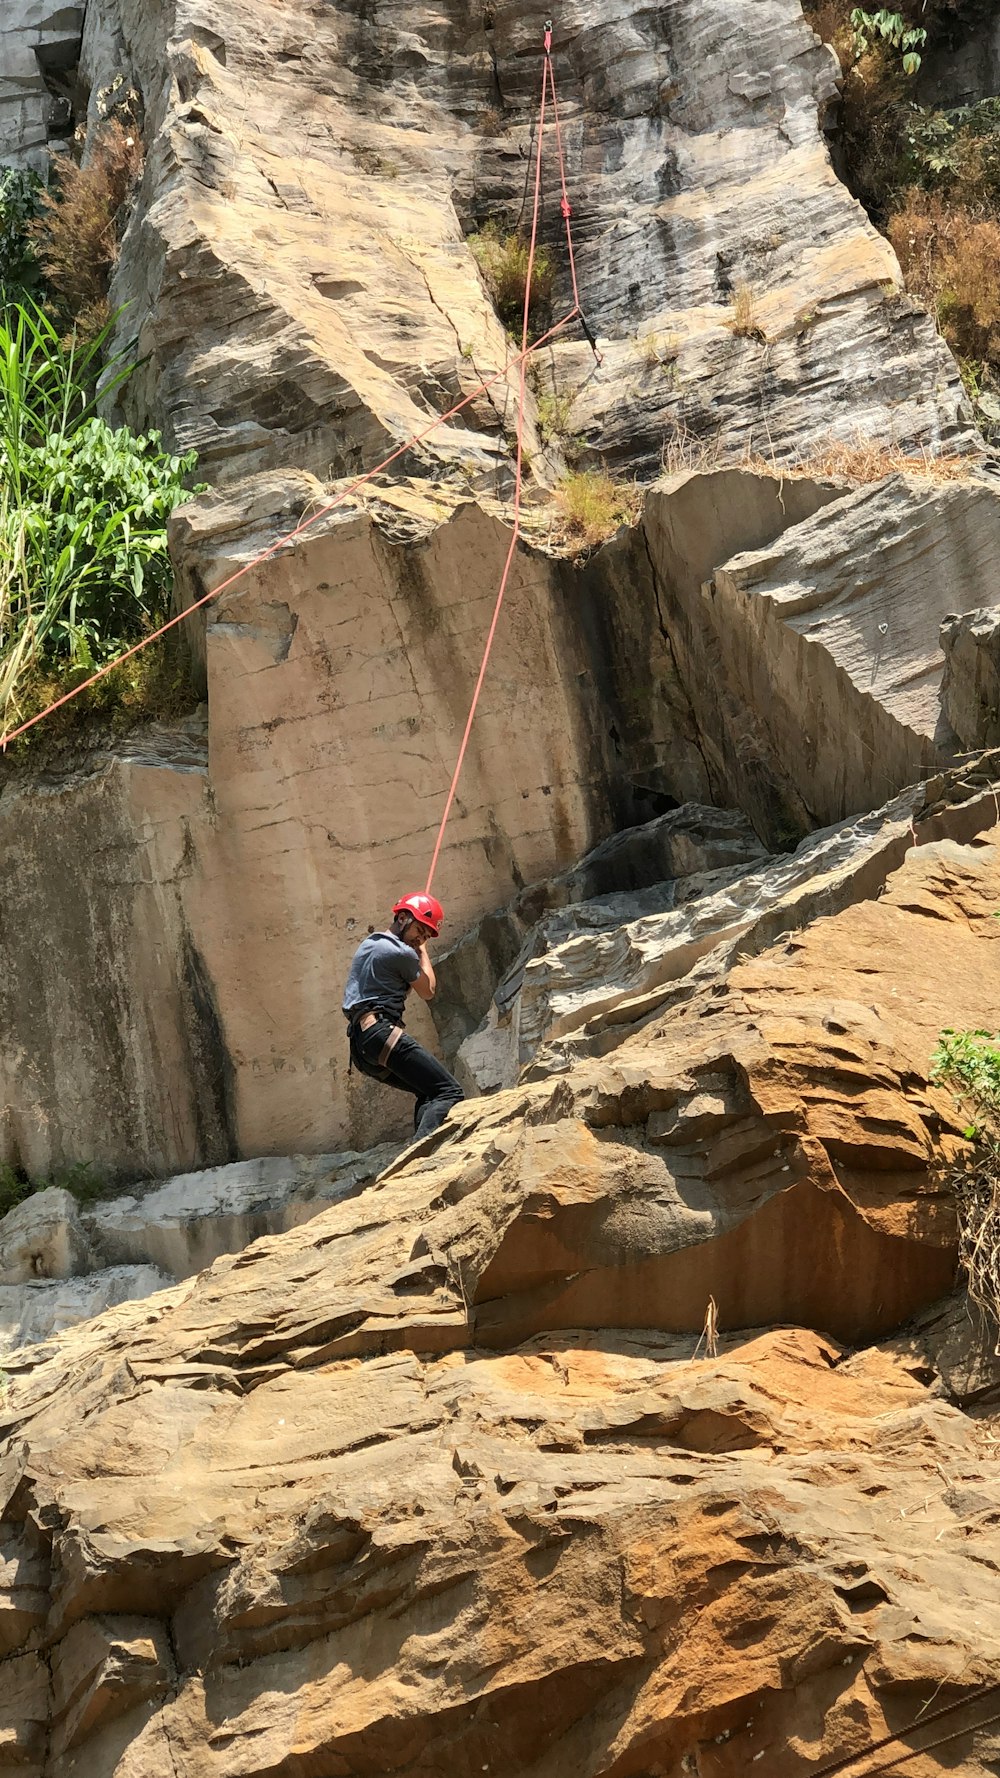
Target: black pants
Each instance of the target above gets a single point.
(412, 1069)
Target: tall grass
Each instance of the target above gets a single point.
(83, 509)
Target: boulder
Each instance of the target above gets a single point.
(43, 1237)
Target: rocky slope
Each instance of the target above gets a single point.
(443, 1480)
(630, 1427)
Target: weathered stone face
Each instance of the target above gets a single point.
(435, 1482)
(299, 266)
(36, 37)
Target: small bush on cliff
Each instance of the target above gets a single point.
(81, 1180)
(969, 1062)
(84, 568)
(594, 507)
(81, 222)
(503, 261)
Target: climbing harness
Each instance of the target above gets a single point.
(519, 362)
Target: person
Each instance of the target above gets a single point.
(385, 967)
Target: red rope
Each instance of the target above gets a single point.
(548, 85)
(564, 203)
(518, 487)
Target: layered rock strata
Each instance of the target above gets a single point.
(199, 904)
(62, 1263)
(300, 270)
(437, 1482)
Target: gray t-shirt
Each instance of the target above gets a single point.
(381, 973)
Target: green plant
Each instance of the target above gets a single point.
(84, 567)
(969, 1062)
(502, 259)
(594, 506)
(19, 197)
(81, 1180)
(553, 413)
(890, 28)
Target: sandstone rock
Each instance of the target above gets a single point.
(598, 979)
(440, 1470)
(970, 692)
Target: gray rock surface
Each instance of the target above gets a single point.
(37, 38)
(34, 1312)
(697, 164)
(970, 691)
(587, 981)
(634, 869)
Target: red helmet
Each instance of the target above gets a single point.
(425, 908)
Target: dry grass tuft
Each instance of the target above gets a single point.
(78, 232)
(503, 261)
(950, 259)
(871, 460)
(859, 460)
(743, 321)
(594, 507)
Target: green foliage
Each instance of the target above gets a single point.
(19, 198)
(503, 260)
(83, 1181)
(969, 1061)
(873, 29)
(956, 152)
(84, 568)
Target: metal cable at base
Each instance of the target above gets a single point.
(922, 1722)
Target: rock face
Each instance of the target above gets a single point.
(61, 1264)
(199, 907)
(437, 1481)
(971, 687)
(39, 41)
(313, 178)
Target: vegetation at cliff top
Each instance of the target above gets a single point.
(929, 176)
(969, 1062)
(593, 506)
(84, 569)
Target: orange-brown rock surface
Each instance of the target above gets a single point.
(444, 1481)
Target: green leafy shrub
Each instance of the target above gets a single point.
(502, 259)
(84, 568)
(20, 192)
(969, 1062)
(83, 1181)
(883, 28)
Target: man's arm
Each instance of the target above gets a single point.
(426, 981)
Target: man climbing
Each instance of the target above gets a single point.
(386, 966)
